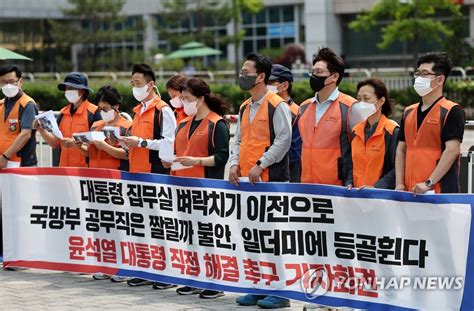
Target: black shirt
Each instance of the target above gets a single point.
(452, 129)
(221, 148)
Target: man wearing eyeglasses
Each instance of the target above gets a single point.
(431, 133)
(17, 111)
(321, 135)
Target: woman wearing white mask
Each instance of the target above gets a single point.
(78, 116)
(173, 87)
(109, 153)
(202, 144)
(375, 138)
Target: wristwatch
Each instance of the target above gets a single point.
(144, 143)
(429, 183)
(6, 158)
(259, 163)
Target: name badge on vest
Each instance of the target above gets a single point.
(200, 133)
(13, 124)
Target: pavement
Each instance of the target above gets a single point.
(33, 289)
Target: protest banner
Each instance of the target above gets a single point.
(368, 249)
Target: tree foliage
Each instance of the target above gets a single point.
(408, 21)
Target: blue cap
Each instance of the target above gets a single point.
(75, 80)
(281, 73)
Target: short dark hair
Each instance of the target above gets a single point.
(176, 82)
(380, 91)
(262, 64)
(146, 70)
(334, 62)
(10, 68)
(108, 94)
(442, 63)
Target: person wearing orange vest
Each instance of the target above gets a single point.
(262, 141)
(431, 133)
(17, 136)
(280, 82)
(321, 133)
(17, 111)
(375, 140)
(173, 87)
(76, 117)
(154, 123)
(202, 144)
(108, 153)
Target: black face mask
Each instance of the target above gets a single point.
(246, 83)
(317, 82)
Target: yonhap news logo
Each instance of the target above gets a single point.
(317, 282)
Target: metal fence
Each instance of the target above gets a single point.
(395, 78)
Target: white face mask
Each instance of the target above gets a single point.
(272, 88)
(360, 111)
(140, 93)
(190, 108)
(423, 86)
(72, 96)
(176, 102)
(108, 116)
(10, 90)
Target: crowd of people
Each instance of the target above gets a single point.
(276, 140)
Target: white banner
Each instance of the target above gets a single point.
(321, 244)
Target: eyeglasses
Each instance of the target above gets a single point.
(317, 73)
(245, 73)
(3, 82)
(424, 74)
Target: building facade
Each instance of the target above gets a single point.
(24, 27)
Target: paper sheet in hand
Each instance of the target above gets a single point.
(12, 164)
(48, 122)
(86, 137)
(167, 152)
(112, 132)
(176, 166)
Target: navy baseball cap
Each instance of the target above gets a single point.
(75, 80)
(280, 72)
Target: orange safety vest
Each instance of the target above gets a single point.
(10, 125)
(423, 143)
(80, 121)
(147, 125)
(102, 159)
(257, 137)
(294, 109)
(197, 145)
(180, 115)
(321, 160)
(368, 157)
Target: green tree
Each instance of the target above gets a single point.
(410, 21)
(94, 23)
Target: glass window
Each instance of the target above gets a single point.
(248, 46)
(261, 31)
(261, 44)
(261, 17)
(246, 18)
(249, 32)
(274, 13)
(275, 43)
(288, 14)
